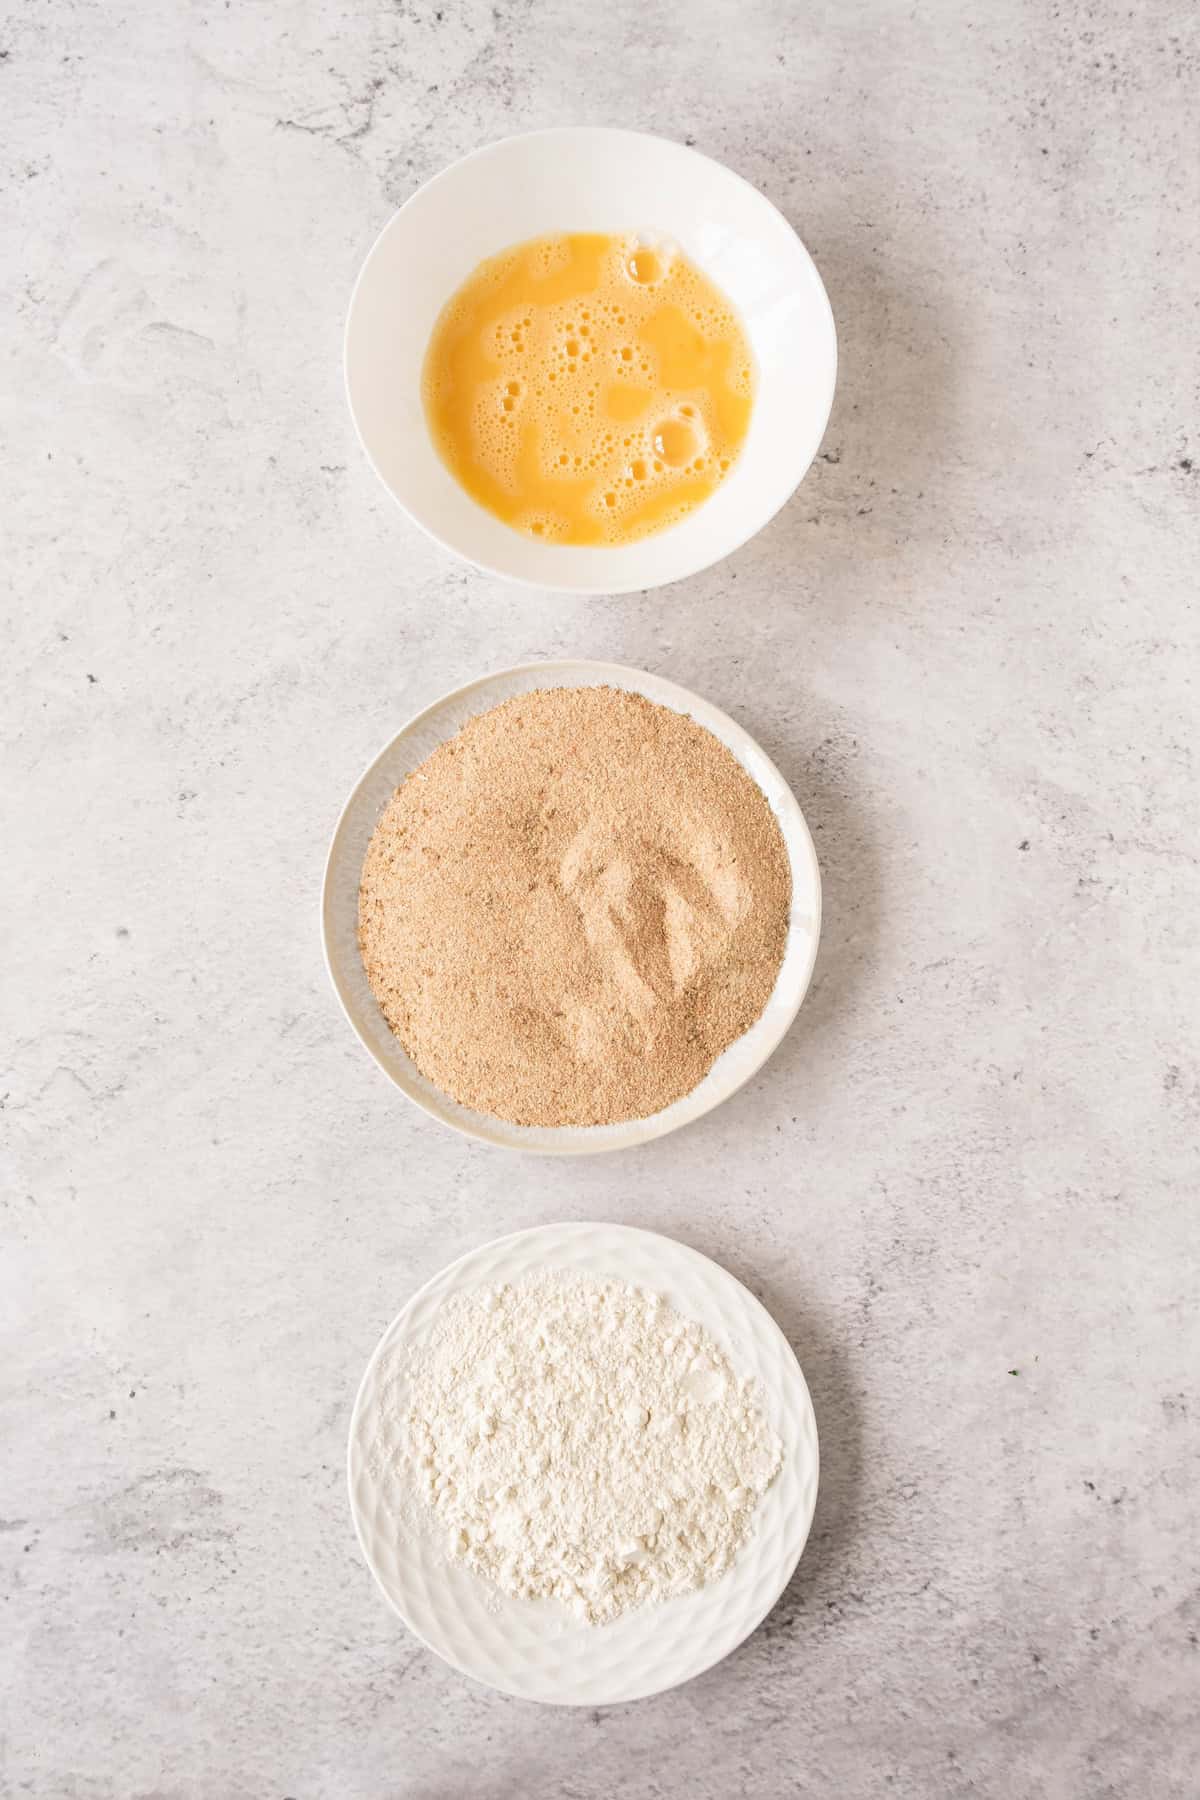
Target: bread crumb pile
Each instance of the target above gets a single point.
(575, 1439)
(571, 908)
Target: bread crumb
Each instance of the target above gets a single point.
(571, 908)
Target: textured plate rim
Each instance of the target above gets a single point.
(481, 1126)
(591, 589)
(675, 1248)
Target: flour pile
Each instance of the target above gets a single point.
(577, 1440)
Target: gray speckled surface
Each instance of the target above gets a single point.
(970, 642)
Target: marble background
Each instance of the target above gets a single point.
(966, 1184)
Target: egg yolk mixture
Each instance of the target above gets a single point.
(588, 389)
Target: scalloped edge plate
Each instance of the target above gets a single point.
(533, 1650)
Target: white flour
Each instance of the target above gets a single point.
(577, 1440)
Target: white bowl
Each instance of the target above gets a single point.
(587, 179)
(532, 1649)
(418, 740)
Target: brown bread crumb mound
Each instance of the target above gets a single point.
(571, 908)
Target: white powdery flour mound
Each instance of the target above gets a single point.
(577, 1440)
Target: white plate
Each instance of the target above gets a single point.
(533, 1649)
(585, 179)
(419, 739)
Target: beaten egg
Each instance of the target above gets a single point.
(588, 388)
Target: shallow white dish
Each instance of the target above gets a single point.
(418, 739)
(534, 1650)
(588, 179)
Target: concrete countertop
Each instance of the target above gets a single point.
(965, 1185)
